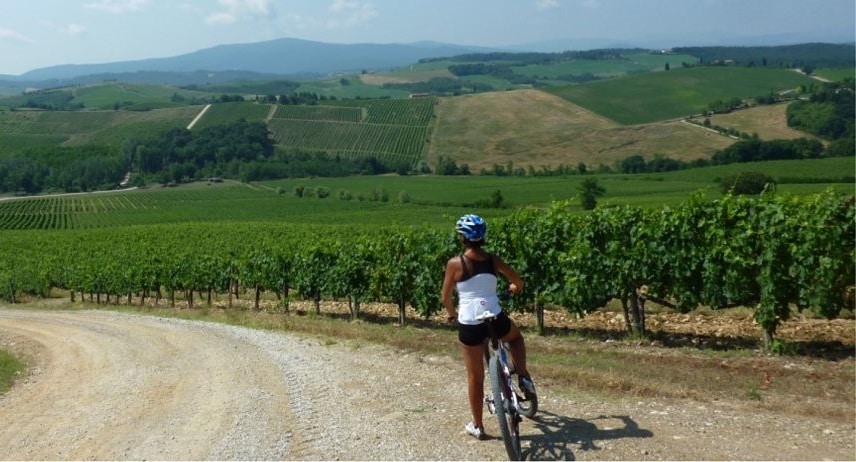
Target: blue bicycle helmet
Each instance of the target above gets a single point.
(471, 227)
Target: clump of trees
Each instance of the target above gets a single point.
(829, 113)
(755, 150)
(69, 169)
(242, 150)
(747, 183)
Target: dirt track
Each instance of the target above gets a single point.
(106, 385)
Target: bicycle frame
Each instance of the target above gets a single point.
(500, 349)
(503, 402)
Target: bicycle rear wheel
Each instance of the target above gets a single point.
(505, 413)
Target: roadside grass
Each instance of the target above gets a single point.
(10, 369)
(572, 363)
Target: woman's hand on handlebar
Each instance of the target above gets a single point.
(513, 289)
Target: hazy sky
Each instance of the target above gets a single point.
(41, 33)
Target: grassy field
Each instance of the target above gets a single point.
(630, 64)
(837, 74)
(678, 93)
(109, 95)
(22, 129)
(224, 113)
(421, 72)
(106, 96)
(424, 201)
(358, 86)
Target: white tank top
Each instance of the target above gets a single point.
(475, 296)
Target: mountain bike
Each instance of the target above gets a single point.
(507, 401)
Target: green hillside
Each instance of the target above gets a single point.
(369, 202)
(134, 96)
(636, 63)
(22, 129)
(224, 113)
(680, 92)
(532, 128)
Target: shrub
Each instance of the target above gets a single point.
(747, 183)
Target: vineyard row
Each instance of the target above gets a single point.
(771, 253)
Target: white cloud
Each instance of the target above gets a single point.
(13, 36)
(547, 4)
(236, 10)
(221, 18)
(591, 4)
(339, 6)
(117, 6)
(72, 29)
(349, 13)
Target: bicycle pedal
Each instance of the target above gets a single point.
(490, 406)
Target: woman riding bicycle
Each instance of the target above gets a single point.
(473, 274)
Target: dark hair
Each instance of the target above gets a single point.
(472, 244)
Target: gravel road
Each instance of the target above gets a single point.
(107, 385)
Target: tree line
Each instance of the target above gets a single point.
(811, 55)
(67, 169)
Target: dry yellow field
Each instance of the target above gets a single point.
(769, 122)
(530, 127)
(403, 77)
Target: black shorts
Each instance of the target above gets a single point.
(472, 335)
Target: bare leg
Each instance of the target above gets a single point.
(518, 349)
(473, 359)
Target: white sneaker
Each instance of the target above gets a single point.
(478, 432)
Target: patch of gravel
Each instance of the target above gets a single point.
(106, 385)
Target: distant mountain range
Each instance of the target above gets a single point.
(282, 57)
(294, 59)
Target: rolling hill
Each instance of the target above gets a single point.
(532, 127)
(634, 104)
(286, 56)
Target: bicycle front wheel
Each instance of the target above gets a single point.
(505, 412)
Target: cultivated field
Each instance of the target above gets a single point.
(769, 122)
(531, 127)
(421, 200)
(678, 93)
(21, 129)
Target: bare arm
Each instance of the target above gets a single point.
(515, 282)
